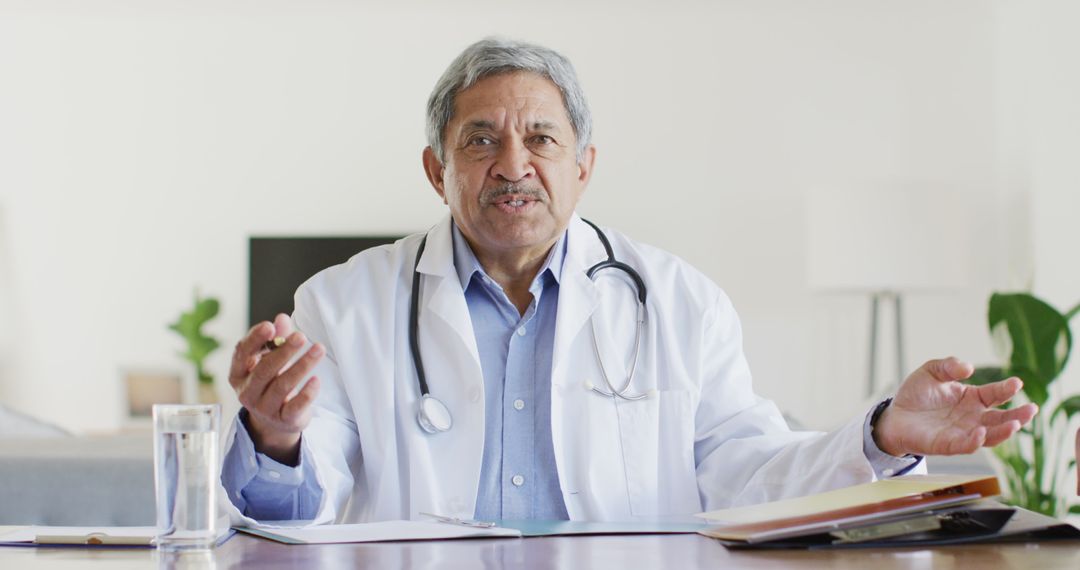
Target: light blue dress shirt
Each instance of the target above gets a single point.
(518, 475)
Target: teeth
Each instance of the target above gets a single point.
(516, 203)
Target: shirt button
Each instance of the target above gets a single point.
(519, 404)
(518, 480)
(888, 472)
(521, 331)
(274, 475)
(474, 394)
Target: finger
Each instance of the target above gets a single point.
(283, 325)
(246, 352)
(271, 364)
(1022, 414)
(966, 445)
(279, 390)
(293, 411)
(997, 393)
(949, 369)
(1000, 433)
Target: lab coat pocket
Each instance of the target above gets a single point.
(657, 439)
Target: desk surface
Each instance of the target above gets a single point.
(623, 552)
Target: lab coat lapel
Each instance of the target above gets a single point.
(578, 295)
(443, 297)
(446, 466)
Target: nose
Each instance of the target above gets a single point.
(513, 163)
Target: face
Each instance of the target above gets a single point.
(511, 175)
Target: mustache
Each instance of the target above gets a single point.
(490, 195)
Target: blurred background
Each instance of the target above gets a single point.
(142, 143)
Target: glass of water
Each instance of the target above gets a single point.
(185, 473)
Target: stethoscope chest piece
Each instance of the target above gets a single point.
(433, 415)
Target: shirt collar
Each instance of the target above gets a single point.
(466, 264)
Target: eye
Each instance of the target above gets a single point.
(480, 141)
(543, 140)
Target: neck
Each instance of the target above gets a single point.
(514, 271)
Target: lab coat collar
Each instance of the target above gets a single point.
(578, 295)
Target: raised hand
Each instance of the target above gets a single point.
(265, 384)
(935, 413)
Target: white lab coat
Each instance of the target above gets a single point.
(704, 440)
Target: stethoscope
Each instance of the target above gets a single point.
(433, 415)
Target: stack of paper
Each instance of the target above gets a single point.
(855, 507)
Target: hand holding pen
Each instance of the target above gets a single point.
(269, 387)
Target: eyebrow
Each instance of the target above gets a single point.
(536, 126)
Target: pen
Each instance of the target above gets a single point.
(273, 343)
(457, 521)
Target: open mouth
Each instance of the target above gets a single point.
(513, 202)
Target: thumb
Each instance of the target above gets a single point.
(949, 369)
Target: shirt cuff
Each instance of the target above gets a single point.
(884, 465)
(265, 467)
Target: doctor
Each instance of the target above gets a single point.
(552, 395)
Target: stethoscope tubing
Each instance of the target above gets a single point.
(434, 417)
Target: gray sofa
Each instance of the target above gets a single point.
(48, 477)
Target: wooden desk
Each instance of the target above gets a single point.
(677, 552)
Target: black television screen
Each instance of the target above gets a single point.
(278, 265)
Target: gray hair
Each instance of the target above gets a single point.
(496, 56)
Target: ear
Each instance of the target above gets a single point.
(434, 170)
(585, 165)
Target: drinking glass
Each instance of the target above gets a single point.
(185, 473)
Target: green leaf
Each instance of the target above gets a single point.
(1032, 337)
(1074, 510)
(189, 326)
(1072, 312)
(986, 375)
(1070, 407)
(1036, 388)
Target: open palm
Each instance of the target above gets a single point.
(934, 413)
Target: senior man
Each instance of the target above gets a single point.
(546, 394)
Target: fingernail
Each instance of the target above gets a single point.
(296, 339)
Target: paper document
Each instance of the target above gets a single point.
(909, 486)
(377, 532)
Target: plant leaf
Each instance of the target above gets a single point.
(1072, 312)
(986, 375)
(1074, 510)
(189, 326)
(1070, 407)
(1040, 339)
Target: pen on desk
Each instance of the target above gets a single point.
(273, 343)
(460, 521)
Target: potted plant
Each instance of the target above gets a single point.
(199, 345)
(1033, 341)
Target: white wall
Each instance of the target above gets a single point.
(1040, 114)
(141, 142)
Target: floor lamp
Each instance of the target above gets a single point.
(885, 241)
